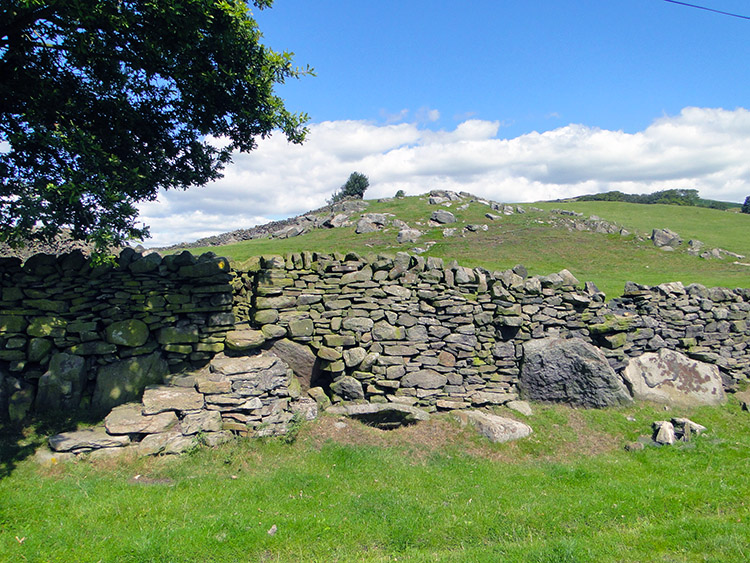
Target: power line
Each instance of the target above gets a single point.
(709, 9)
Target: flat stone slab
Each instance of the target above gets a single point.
(672, 378)
(494, 428)
(382, 415)
(129, 419)
(242, 340)
(163, 398)
(88, 439)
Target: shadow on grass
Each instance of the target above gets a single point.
(21, 440)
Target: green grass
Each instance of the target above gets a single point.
(533, 240)
(544, 499)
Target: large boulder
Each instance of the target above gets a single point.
(441, 216)
(61, 386)
(672, 378)
(665, 237)
(569, 371)
(124, 381)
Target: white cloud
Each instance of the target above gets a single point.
(701, 148)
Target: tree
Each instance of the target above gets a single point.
(355, 187)
(102, 104)
(746, 205)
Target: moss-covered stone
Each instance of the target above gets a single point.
(47, 326)
(39, 348)
(178, 335)
(131, 333)
(12, 323)
(301, 328)
(612, 323)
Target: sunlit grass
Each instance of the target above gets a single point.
(570, 493)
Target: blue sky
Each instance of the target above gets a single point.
(531, 64)
(511, 100)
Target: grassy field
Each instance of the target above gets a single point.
(534, 240)
(432, 492)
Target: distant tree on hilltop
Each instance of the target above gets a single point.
(355, 187)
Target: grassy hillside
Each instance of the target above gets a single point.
(537, 241)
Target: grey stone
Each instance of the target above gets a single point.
(442, 216)
(664, 433)
(204, 421)
(357, 324)
(164, 398)
(299, 358)
(672, 378)
(521, 407)
(88, 439)
(424, 379)
(569, 371)
(244, 340)
(408, 236)
(172, 442)
(61, 386)
(494, 428)
(665, 237)
(348, 388)
(129, 419)
(354, 356)
(124, 381)
(385, 331)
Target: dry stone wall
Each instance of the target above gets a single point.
(414, 330)
(406, 330)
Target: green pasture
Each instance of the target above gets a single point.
(570, 492)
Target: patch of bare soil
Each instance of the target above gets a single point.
(441, 434)
(431, 435)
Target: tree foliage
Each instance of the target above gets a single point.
(102, 104)
(670, 197)
(746, 205)
(354, 187)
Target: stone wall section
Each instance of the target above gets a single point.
(403, 329)
(72, 335)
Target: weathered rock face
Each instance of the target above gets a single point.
(124, 381)
(569, 371)
(672, 378)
